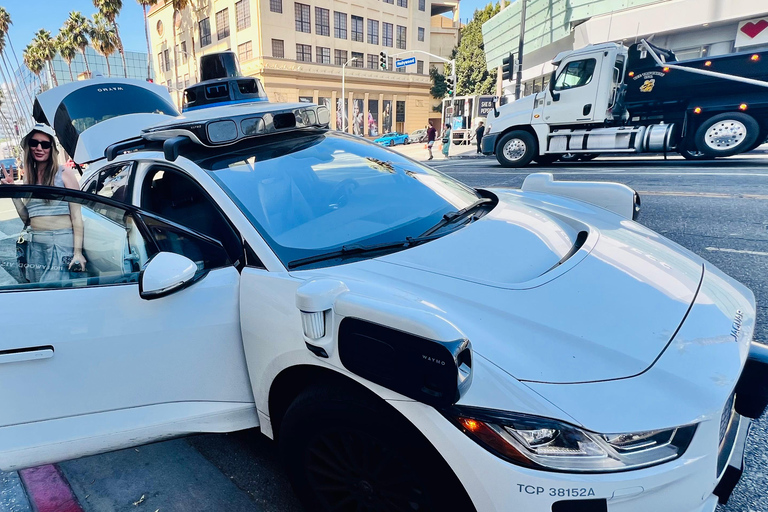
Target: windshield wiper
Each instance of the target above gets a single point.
(452, 217)
(357, 249)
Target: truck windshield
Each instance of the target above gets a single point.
(315, 193)
(576, 74)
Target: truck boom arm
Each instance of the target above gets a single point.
(759, 83)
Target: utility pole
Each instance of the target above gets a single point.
(520, 52)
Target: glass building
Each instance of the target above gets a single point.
(136, 62)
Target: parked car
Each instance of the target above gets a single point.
(418, 135)
(10, 164)
(411, 343)
(392, 139)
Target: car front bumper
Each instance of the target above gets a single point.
(488, 144)
(687, 484)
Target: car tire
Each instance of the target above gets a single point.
(727, 134)
(516, 149)
(391, 142)
(343, 450)
(546, 159)
(694, 154)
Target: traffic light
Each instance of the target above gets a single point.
(507, 67)
(383, 60)
(450, 84)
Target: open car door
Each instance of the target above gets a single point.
(132, 348)
(73, 109)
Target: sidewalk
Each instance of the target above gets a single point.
(418, 151)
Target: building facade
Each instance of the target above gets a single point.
(299, 51)
(690, 28)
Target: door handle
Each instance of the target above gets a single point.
(26, 354)
(587, 109)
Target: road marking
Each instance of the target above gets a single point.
(738, 251)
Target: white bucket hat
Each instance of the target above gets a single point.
(42, 128)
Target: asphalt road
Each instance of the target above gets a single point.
(719, 210)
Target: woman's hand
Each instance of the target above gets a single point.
(78, 262)
(6, 177)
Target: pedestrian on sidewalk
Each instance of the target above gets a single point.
(446, 140)
(479, 134)
(431, 134)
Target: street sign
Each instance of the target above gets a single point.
(405, 62)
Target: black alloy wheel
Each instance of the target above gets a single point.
(349, 454)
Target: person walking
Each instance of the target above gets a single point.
(479, 132)
(446, 140)
(431, 135)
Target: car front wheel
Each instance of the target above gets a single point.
(516, 149)
(350, 453)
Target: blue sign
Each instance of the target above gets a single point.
(405, 62)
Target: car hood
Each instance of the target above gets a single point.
(552, 292)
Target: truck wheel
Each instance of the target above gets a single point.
(344, 451)
(727, 134)
(516, 149)
(545, 159)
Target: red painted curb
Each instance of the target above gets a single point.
(48, 490)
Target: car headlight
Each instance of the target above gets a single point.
(552, 445)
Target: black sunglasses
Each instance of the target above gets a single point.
(44, 144)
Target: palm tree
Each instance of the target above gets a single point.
(67, 48)
(34, 61)
(104, 38)
(47, 48)
(144, 5)
(79, 28)
(110, 9)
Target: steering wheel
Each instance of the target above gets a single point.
(340, 194)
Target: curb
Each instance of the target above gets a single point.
(48, 490)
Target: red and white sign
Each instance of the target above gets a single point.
(752, 32)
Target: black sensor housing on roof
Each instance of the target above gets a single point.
(222, 84)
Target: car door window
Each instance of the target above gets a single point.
(39, 227)
(576, 74)
(112, 182)
(175, 196)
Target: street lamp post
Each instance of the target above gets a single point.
(343, 97)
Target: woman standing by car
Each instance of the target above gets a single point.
(56, 246)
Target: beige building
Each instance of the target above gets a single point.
(297, 49)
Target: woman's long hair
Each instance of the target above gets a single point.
(30, 164)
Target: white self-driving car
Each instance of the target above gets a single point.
(410, 342)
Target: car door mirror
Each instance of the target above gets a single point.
(166, 273)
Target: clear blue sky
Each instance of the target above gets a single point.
(28, 16)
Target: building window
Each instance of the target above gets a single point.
(360, 60)
(166, 57)
(205, 32)
(303, 23)
(357, 29)
(222, 24)
(243, 14)
(322, 22)
(390, 63)
(161, 61)
(183, 51)
(420, 67)
(186, 80)
(339, 57)
(304, 53)
(373, 61)
(422, 5)
(421, 34)
(278, 48)
(401, 69)
(373, 32)
(402, 3)
(387, 34)
(389, 2)
(339, 25)
(244, 51)
(323, 55)
(275, 6)
(401, 37)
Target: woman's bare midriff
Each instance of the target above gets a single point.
(50, 222)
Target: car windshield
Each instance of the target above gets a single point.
(314, 193)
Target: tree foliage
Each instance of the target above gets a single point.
(472, 73)
(438, 89)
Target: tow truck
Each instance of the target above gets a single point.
(639, 99)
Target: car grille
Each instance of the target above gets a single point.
(729, 426)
